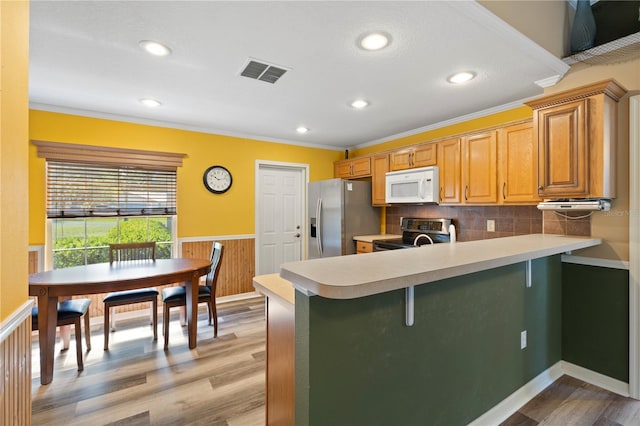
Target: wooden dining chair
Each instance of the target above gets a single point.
(177, 295)
(69, 312)
(130, 252)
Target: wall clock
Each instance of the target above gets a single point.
(217, 179)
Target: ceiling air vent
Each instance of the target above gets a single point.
(262, 71)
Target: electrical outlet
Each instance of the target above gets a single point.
(491, 225)
(523, 339)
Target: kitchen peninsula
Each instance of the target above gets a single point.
(357, 361)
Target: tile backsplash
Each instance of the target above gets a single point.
(471, 221)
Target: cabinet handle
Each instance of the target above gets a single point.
(411, 163)
(540, 188)
(466, 190)
(504, 185)
(351, 169)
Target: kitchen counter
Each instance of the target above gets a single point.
(370, 238)
(349, 277)
(273, 285)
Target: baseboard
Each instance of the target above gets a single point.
(597, 379)
(519, 398)
(516, 400)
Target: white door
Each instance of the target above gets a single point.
(280, 195)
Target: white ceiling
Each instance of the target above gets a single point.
(85, 60)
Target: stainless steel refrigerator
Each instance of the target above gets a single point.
(339, 210)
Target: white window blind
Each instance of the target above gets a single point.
(92, 190)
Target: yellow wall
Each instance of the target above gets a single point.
(200, 213)
(14, 104)
(515, 114)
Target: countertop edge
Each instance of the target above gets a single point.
(362, 289)
(274, 286)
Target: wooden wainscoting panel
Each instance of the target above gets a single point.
(33, 261)
(15, 368)
(238, 263)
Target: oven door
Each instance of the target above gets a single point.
(384, 245)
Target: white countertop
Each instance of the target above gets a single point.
(349, 277)
(273, 285)
(370, 238)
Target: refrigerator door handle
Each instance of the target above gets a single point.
(319, 225)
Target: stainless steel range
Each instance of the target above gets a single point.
(417, 232)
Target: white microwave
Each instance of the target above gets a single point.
(415, 186)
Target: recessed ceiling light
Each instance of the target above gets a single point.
(359, 103)
(374, 41)
(151, 103)
(461, 77)
(302, 130)
(155, 48)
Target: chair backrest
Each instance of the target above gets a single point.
(212, 276)
(132, 251)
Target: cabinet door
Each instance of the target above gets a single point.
(361, 167)
(358, 167)
(400, 160)
(479, 168)
(364, 247)
(380, 166)
(342, 169)
(450, 166)
(518, 165)
(424, 155)
(563, 152)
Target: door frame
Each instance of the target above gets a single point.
(299, 167)
(634, 246)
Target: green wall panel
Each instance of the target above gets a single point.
(595, 319)
(358, 364)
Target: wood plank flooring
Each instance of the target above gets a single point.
(569, 401)
(136, 382)
(222, 381)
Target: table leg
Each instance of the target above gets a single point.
(192, 310)
(47, 320)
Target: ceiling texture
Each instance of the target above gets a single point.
(85, 59)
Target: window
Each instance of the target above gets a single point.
(97, 196)
(86, 240)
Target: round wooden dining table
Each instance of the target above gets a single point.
(48, 286)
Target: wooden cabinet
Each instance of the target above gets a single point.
(576, 137)
(355, 168)
(468, 169)
(364, 247)
(517, 165)
(417, 156)
(479, 166)
(450, 169)
(379, 166)
(493, 167)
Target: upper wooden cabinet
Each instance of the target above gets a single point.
(355, 168)
(479, 162)
(450, 169)
(468, 169)
(576, 137)
(421, 155)
(517, 165)
(380, 166)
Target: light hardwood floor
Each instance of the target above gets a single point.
(136, 382)
(222, 381)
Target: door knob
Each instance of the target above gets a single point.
(297, 235)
